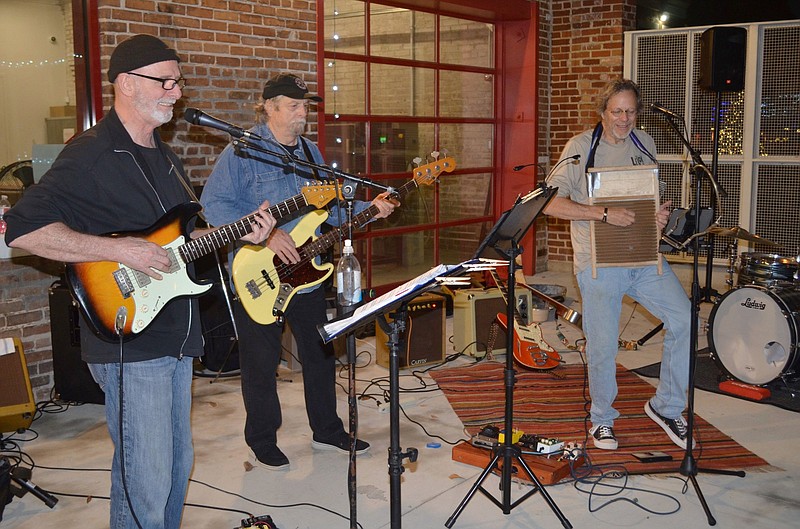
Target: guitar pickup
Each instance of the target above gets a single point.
(253, 289)
(124, 283)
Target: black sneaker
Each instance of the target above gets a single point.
(676, 429)
(271, 458)
(603, 437)
(340, 442)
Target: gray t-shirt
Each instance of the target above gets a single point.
(572, 183)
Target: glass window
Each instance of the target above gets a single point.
(401, 33)
(345, 147)
(466, 42)
(344, 26)
(465, 196)
(459, 243)
(401, 91)
(466, 94)
(398, 258)
(344, 87)
(474, 143)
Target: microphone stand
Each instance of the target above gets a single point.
(689, 466)
(350, 180)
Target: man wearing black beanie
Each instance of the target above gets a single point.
(119, 176)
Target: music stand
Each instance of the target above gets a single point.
(504, 240)
(398, 297)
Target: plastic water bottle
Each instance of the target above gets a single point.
(5, 205)
(348, 277)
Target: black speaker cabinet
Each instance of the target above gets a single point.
(426, 334)
(73, 381)
(16, 398)
(474, 312)
(722, 59)
(220, 349)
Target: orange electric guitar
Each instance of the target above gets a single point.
(112, 295)
(530, 349)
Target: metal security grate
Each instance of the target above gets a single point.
(760, 171)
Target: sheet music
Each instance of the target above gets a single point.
(418, 285)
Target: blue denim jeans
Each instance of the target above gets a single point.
(664, 297)
(157, 437)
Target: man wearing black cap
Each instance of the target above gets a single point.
(237, 182)
(119, 176)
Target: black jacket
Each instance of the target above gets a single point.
(101, 183)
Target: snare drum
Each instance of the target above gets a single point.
(766, 270)
(753, 333)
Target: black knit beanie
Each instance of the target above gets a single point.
(138, 51)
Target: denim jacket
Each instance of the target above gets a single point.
(241, 181)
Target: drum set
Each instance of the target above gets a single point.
(754, 328)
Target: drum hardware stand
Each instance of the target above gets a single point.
(688, 465)
(503, 239)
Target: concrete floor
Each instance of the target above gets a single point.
(313, 492)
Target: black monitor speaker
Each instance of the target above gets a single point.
(722, 59)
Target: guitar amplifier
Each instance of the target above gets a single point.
(16, 397)
(426, 334)
(474, 311)
(72, 380)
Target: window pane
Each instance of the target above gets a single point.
(466, 42)
(393, 146)
(344, 87)
(459, 243)
(401, 33)
(466, 94)
(344, 27)
(417, 205)
(401, 91)
(345, 146)
(471, 143)
(465, 196)
(398, 258)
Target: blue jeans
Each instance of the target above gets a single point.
(664, 297)
(157, 439)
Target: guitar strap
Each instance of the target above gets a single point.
(222, 280)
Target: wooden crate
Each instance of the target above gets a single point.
(547, 470)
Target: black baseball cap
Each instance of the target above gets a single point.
(288, 85)
(138, 51)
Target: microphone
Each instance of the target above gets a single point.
(198, 117)
(523, 166)
(655, 107)
(575, 158)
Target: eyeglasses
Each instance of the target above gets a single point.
(166, 84)
(618, 113)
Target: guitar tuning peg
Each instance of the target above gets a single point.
(445, 153)
(417, 160)
(435, 155)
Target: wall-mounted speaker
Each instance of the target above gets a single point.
(72, 380)
(16, 398)
(425, 337)
(722, 59)
(474, 312)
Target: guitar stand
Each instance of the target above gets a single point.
(509, 453)
(394, 331)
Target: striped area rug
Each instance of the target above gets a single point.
(551, 404)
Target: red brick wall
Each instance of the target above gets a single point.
(585, 51)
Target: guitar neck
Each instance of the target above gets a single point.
(196, 248)
(320, 245)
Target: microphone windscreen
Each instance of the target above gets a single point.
(192, 115)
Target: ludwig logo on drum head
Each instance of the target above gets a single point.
(750, 303)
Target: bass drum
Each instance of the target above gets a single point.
(753, 333)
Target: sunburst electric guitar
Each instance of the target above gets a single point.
(530, 348)
(266, 285)
(114, 296)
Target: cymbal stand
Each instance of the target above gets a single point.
(508, 452)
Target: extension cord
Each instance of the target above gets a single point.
(383, 407)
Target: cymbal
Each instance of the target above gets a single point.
(740, 233)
